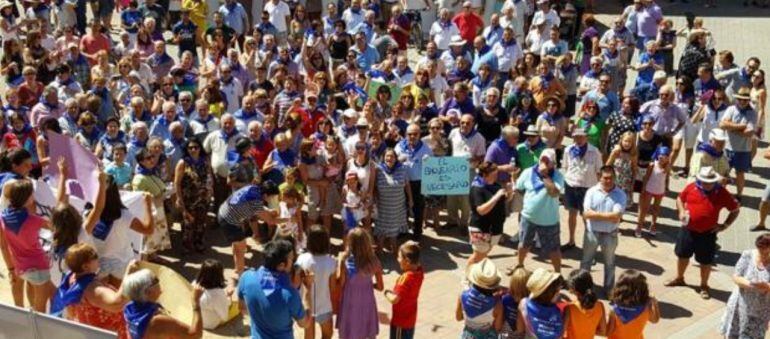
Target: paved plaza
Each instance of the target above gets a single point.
(684, 314)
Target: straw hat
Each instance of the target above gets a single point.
(5, 3)
(484, 274)
(707, 175)
(457, 41)
(744, 93)
(539, 281)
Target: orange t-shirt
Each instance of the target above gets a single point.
(408, 289)
(582, 323)
(633, 329)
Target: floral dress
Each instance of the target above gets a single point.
(746, 315)
(85, 313)
(624, 175)
(150, 183)
(195, 196)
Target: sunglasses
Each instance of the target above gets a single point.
(193, 148)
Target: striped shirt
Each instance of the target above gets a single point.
(241, 206)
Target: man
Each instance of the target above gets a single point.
(247, 113)
(699, 205)
(186, 34)
(175, 142)
(280, 17)
(48, 107)
(502, 152)
(554, 47)
(399, 27)
(151, 9)
(547, 15)
(606, 99)
(69, 120)
(186, 107)
(366, 55)
(411, 153)
(228, 33)
(268, 296)
(94, 41)
(161, 127)
(603, 210)
(469, 23)
(217, 145)
(442, 31)
(739, 121)
(284, 58)
(483, 55)
(455, 51)
(623, 35)
(362, 135)
(647, 22)
(737, 78)
(78, 63)
(353, 16)
(367, 26)
(347, 129)
(65, 84)
(159, 61)
(541, 186)
(649, 92)
(465, 142)
(460, 101)
(530, 149)
(494, 32)
(582, 162)
(203, 123)
(404, 74)
(508, 53)
(520, 10)
(235, 16)
(261, 145)
(669, 118)
(231, 87)
(330, 18)
(712, 154)
(705, 83)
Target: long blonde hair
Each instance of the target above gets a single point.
(360, 247)
(632, 136)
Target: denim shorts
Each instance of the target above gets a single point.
(574, 196)
(740, 161)
(36, 277)
(548, 235)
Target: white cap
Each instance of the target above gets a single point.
(350, 113)
(550, 154)
(659, 75)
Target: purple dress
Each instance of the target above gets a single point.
(588, 46)
(358, 308)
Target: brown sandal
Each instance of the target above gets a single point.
(675, 282)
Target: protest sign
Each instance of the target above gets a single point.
(83, 165)
(395, 91)
(445, 176)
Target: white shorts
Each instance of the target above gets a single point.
(689, 133)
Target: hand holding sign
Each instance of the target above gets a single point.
(445, 176)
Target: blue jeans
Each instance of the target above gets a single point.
(608, 242)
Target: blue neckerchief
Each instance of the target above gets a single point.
(379, 151)
(533, 148)
(400, 73)
(545, 80)
(146, 116)
(348, 131)
(567, 69)
(484, 50)
(233, 158)
(206, 121)
(503, 146)
(478, 181)
(226, 136)
(69, 294)
(587, 121)
(245, 194)
(745, 75)
(610, 55)
(550, 119)
(445, 24)
(592, 74)
(14, 218)
(546, 321)
(47, 104)
(197, 164)
(157, 60)
(744, 111)
(137, 143)
(716, 110)
(242, 114)
(537, 179)
(65, 83)
(510, 310)
(355, 11)
(319, 136)
(103, 228)
(101, 92)
(411, 152)
(492, 30)
(24, 129)
(628, 313)
(284, 159)
(350, 266)
(384, 167)
(350, 219)
(138, 316)
(164, 122)
(481, 84)
(476, 303)
(710, 150)
(578, 151)
(146, 171)
(705, 192)
(508, 43)
(93, 137)
(660, 151)
(469, 135)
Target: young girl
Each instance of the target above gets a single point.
(355, 270)
(217, 306)
(291, 180)
(584, 317)
(632, 307)
(352, 203)
(478, 306)
(318, 262)
(291, 214)
(623, 158)
(333, 158)
(513, 324)
(653, 187)
(542, 317)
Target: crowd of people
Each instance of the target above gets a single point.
(292, 122)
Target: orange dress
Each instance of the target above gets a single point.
(85, 313)
(582, 323)
(633, 329)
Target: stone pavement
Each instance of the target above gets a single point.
(684, 313)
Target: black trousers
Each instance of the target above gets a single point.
(418, 209)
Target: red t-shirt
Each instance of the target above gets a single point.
(468, 24)
(704, 209)
(90, 45)
(408, 289)
(261, 150)
(401, 38)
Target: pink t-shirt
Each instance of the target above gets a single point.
(28, 253)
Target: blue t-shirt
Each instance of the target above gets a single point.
(539, 207)
(272, 302)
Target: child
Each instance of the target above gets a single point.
(118, 168)
(654, 187)
(352, 204)
(291, 180)
(405, 293)
(333, 159)
(513, 324)
(217, 306)
(542, 317)
(322, 266)
(478, 305)
(624, 159)
(291, 214)
(632, 306)
(584, 318)
(356, 268)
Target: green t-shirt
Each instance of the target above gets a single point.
(594, 131)
(528, 157)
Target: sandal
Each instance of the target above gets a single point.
(704, 293)
(675, 282)
(757, 228)
(638, 233)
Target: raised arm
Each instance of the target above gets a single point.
(96, 212)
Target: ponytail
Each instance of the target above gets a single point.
(581, 283)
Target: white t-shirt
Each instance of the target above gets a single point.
(443, 35)
(322, 266)
(117, 245)
(551, 19)
(215, 306)
(278, 13)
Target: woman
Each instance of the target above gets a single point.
(746, 315)
(552, 126)
(31, 89)
(147, 180)
(487, 200)
(146, 318)
(323, 87)
(339, 43)
(192, 178)
(646, 144)
(112, 136)
(311, 172)
(103, 66)
(481, 83)
(47, 125)
(589, 120)
(11, 63)
(567, 73)
(35, 54)
(525, 113)
(144, 43)
(87, 300)
(758, 103)
(622, 121)
(364, 168)
(590, 41)
(23, 135)
(278, 160)
(360, 273)
(440, 147)
(491, 117)
(421, 85)
(392, 195)
(88, 134)
(709, 115)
